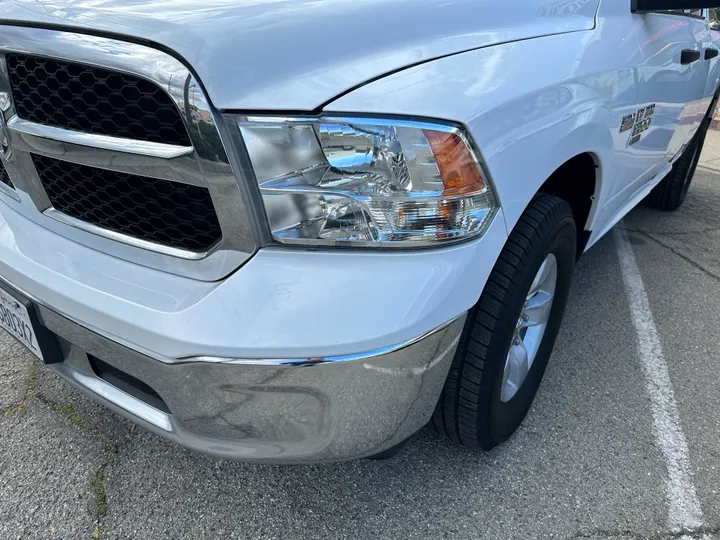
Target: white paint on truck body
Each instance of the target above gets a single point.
(295, 55)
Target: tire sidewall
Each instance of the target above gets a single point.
(504, 418)
(697, 150)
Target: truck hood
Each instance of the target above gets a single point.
(296, 55)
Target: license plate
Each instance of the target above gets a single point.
(14, 318)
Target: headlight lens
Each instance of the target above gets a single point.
(367, 182)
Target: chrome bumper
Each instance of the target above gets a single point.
(301, 412)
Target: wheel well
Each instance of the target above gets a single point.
(574, 181)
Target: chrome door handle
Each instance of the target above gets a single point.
(710, 53)
(688, 56)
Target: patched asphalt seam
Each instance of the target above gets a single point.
(101, 508)
(673, 250)
(673, 234)
(100, 505)
(30, 391)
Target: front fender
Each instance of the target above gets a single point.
(527, 115)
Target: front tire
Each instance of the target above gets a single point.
(491, 385)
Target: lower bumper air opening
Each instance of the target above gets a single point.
(127, 383)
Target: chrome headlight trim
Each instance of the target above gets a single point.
(236, 121)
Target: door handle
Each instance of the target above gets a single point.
(688, 56)
(710, 53)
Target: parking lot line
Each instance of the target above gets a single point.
(684, 512)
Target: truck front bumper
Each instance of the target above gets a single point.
(293, 412)
(299, 356)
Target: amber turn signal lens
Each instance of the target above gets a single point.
(459, 171)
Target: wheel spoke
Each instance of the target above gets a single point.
(539, 278)
(537, 310)
(545, 276)
(516, 368)
(530, 328)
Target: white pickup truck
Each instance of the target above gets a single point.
(300, 230)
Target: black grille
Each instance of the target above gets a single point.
(159, 211)
(4, 177)
(83, 98)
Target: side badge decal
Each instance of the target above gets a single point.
(627, 122)
(639, 122)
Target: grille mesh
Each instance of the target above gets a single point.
(159, 211)
(4, 177)
(95, 100)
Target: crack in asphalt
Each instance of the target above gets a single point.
(673, 233)
(110, 448)
(30, 392)
(686, 258)
(101, 508)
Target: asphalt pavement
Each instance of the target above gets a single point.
(590, 462)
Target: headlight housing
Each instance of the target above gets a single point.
(337, 181)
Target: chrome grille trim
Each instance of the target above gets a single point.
(206, 164)
(80, 97)
(21, 127)
(182, 168)
(107, 233)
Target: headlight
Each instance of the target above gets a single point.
(366, 181)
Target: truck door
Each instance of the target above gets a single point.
(673, 77)
(703, 90)
(711, 55)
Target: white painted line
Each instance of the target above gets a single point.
(684, 512)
